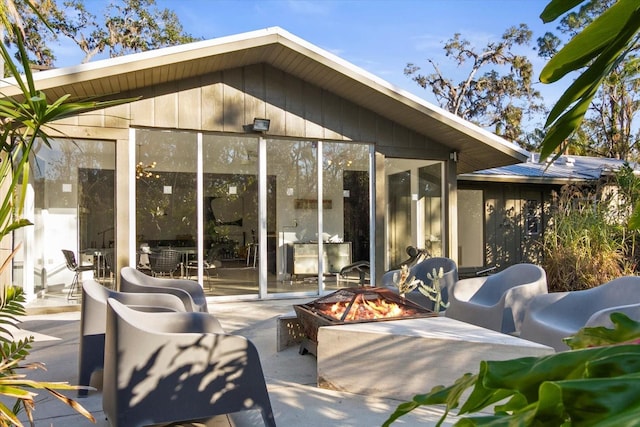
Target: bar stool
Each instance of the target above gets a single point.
(72, 265)
(252, 247)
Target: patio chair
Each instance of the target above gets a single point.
(77, 269)
(165, 262)
(187, 369)
(558, 315)
(210, 266)
(93, 321)
(189, 291)
(419, 271)
(498, 301)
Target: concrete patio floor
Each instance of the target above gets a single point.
(291, 378)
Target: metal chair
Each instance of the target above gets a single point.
(165, 262)
(72, 265)
(209, 266)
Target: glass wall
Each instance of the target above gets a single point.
(230, 212)
(415, 208)
(345, 189)
(166, 201)
(71, 203)
(293, 168)
(315, 196)
(317, 212)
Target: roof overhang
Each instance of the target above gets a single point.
(520, 179)
(476, 148)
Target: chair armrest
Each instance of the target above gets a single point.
(542, 301)
(603, 317)
(151, 300)
(387, 279)
(464, 289)
(177, 323)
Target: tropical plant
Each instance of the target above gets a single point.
(609, 128)
(595, 383)
(598, 49)
(24, 122)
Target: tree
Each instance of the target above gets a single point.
(498, 99)
(608, 128)
(595, 51)
(128, 26)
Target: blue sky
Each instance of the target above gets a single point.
(380, 36)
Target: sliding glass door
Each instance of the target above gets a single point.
(415, 208)
(230, 211)
(71, 202)
(249, 215)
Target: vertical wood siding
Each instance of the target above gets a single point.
(227, 101)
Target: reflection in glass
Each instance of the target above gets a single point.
(166, 214)
(430, 204)
(167, 203)
(414, 207)
(345, 176)
(71, 203)
(294, 168)
(230, 186)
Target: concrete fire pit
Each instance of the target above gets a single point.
(406, 357)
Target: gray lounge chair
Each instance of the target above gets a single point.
(558, 315)
(163, 368)
(189, 291)
(93, 321)
(420, 270)
(499, 301)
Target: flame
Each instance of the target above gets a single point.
(364, 309)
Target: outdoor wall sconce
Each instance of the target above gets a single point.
(260, 125)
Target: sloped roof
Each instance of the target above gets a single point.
(476, 147)
(565, 169)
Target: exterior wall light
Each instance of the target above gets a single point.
(261, 125)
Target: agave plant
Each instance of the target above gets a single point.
(24, 122)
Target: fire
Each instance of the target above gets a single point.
(364, 309)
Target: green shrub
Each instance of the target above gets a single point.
(587, 240)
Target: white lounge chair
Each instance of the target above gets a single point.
(189, 291)
(164, 368)
(93, 322)
(558, 315)
(499, 301)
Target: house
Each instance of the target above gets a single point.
(270, 158)
(503, 211)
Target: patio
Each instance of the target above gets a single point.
(291, 378)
